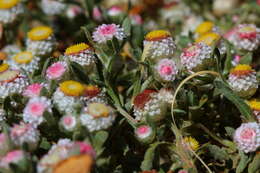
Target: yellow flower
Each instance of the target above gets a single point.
(4, 67)
(208, 38)
(241, 69)
(23, 57)
(254, 104)
(204, 27)
(192, 142)
(98, 110)
(77, 48)
(40, 33)
(79, 164)
(157, 35)
(72, 88)
(6, 4)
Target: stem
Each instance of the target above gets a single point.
(130, 119)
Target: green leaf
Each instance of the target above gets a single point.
(246, 59)
(147, 163)
(99, 139)
(218, 153)
(254, 166)
(89, 5)
(45, 144)
(231, 96)
(79, 72)
(244, 160)
(228, 61)
(127, 26)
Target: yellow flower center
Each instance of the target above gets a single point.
(77, 48)
(254, 104)
(6, 4)
(157, 35)
(208, 38)
(193, 143)
(241, 69)
(23, 57)
(204, 27)
(98, 110)
(40, 33)
(71, 88)
(247, 29)
(4, 67)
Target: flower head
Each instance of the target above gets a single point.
(247, 137)
(166, 69)
(40, 33)
(86, 148)
(204, 27)
(68, 122)
(34, 110)
(209, 38)
(141, 99)
(91, 91)
(12, 157)
(56, 70)
(143, 131)
(72, 88)
(33, 90)
(241, 69)
(6, 4)
(77, 48)
(4, 67)
(106, 32)
(115, 10)
(157, 35)
(255, 107)
(191, 142)
(97, 15)
(23, 57)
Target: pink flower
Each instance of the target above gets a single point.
(97, 15)
(33, 112)
(2, 138)
(86, 148)
(68, 122)
(143, 131)
(258, 2)
(74, 11)
(56, 70)
(247, 137)
(114, 11)
(167, 69)
(136, 19)
(33, 90)
(183, 171)
(106, 32)
(12, 157)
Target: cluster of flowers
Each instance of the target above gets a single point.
(87, 106)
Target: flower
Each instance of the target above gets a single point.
(4, 67)
(106, 32)
(25, 133)
(204, 28)
(56, 71)
(191, 143)
(67, 156)
(27, 61)
(10, 10)
(52, 7)
(97, 116)
(196, 57)
(72, 88)
(144, 133)
(147, 105)
(34, 110)
(12, 81)
(255, 106)
(247, 137)
(158, 44)
(183, 171)
(11, 50)
(115, 11)
(166, 70)
(209, 38)
(73, 11)
(81, 53)
(245, 37)
(97, 15)
(40, 40)
(242, 79)
(13, 157)
(68, 122)
(33, 90)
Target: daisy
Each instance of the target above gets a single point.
(106, 32)
(56, 71)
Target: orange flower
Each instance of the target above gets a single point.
(75, 164)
